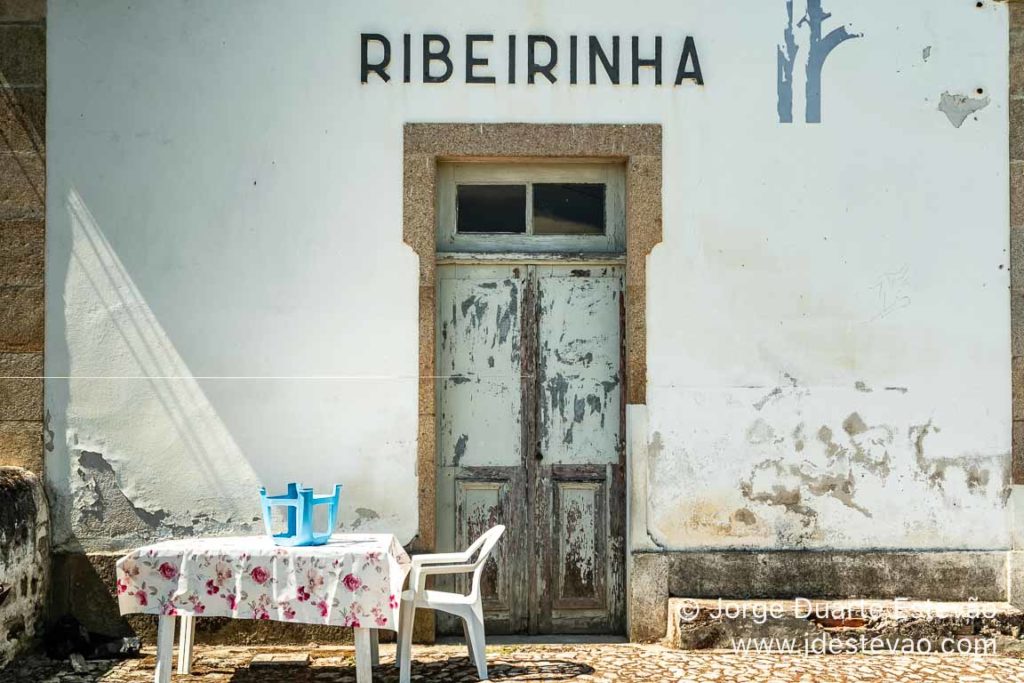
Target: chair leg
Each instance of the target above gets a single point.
(403, 620)
(186, 635)
(403, 652)
(469, 642)
(477, 640)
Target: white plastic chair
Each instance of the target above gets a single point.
(468, 607)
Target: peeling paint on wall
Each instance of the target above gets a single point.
(958, 107)
(102, 507)
(364, 516)
(47, 433)
(975, 471)
(802, 476)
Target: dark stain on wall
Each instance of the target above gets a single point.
(977, 470)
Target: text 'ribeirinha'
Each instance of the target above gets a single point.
(578, 59)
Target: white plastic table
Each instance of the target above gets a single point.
(355, 580)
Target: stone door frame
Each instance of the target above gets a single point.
(424, 144)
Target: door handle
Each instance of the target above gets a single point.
(539, 455)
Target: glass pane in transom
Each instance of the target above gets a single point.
(491, 209)
(568, 208)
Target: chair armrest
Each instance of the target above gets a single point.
(444, 569)
(418, 575)
(440, 558)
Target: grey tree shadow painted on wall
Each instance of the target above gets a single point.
(819, 49)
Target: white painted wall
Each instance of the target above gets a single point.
(225, 204)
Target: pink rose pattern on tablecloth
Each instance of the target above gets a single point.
(356, 585)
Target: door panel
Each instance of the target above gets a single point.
(480, 504)
(479, 363)
(580, 541)
(580, 365)
(485, 497)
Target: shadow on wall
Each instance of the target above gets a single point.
(145, 446)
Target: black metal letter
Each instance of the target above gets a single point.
(472, 61)
(532, 67)
(406, 58)
(656, 62)
(440, 56)
(380, 68)
(689, 55)
(511, 60)
(572, 60)
(610, 68)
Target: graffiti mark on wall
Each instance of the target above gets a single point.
(893, 290)
(819, 48)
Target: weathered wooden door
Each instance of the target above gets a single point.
(530, 434)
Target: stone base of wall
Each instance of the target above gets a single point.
(842, 626)
(940, 575)
(24, 560)
(947, 576)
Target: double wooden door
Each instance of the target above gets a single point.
(530, 435)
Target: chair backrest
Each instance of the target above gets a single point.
(483, 547)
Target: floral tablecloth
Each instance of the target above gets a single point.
(354, 580)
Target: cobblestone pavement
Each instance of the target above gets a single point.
(606, 662)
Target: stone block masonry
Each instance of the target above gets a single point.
(22, 230)
(1017, 230)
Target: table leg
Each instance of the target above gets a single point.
(374, 647)
(164, 648)
(364, 671)
(186, 635)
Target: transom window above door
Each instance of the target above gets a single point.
(554, 207)
(530, 209)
